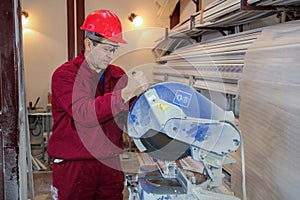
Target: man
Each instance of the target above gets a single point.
(88, 96)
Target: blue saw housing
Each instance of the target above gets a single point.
(185, 115)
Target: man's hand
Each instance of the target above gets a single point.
(137, 84)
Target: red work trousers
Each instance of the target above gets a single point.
(87, 180)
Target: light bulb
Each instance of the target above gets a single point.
(137, 21)
(24, 20)
(25, 17)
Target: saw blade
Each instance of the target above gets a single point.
(160, 146)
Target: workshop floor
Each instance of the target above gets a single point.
(42, 179)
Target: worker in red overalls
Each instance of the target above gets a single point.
(88, 116)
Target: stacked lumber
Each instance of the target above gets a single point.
(214, 65)
(269, 115)
(225, 13)
(222, 13)
(274, 2)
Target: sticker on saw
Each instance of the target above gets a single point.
(161, 107)
(182, 98)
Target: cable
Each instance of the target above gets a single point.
(242, 157)
(243, 168)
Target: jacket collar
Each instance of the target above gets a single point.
(84, 68)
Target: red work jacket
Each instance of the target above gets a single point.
(85, 113)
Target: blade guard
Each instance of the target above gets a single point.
(183, 114)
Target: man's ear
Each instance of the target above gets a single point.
(88, 44)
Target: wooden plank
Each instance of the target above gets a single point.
(274, 2)
(220, 7)
(216, 86)
(206, 63)
(221, 11)
(222, 46)
(240, 17)
(201, 74)
(269, 115)
(204, 54)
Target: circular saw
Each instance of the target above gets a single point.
(170, 118)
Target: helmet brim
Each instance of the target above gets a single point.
(116, 39)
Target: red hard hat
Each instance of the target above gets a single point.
(105, 23)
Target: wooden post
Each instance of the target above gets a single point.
(10, 64)
(71, 33)
(79, 20)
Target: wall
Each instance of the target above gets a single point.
(188, 8)
(44, 45)
(45, 38)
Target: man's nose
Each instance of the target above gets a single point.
(110, 54)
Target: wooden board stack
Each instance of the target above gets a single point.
(269, 115)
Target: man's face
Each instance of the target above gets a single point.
(101, 54)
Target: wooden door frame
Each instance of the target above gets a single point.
(10, 63)
(78, 7)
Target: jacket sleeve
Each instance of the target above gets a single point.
(74, 96)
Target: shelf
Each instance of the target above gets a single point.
(215, 64)
(222, 14)
(279, 5)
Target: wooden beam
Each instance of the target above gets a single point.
(70, 30)
(79, 20)
(10, 61)
(197, 4)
